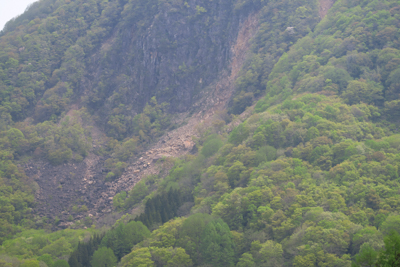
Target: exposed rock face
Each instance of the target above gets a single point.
(324, 6)
(62, 187)
(182, 51)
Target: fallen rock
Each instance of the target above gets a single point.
(65, 225)
(290, 30)
(188, 145)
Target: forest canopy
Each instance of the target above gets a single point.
(308, 176)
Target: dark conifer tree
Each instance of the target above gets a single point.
(82, 255)
(73, 261)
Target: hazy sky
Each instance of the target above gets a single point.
(12, 8)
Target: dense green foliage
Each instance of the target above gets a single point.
(353, 53)
(82, 255)
(161, 208)
(310, 178)
(109, 248)
(41, 246)
(308, 170)
(104, 257)
(282, 23)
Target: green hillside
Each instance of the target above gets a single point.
(309, 178)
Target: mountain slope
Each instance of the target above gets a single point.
(108, 60)
(308, 176)
(310, 179)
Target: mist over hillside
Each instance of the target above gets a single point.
(200, 133)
